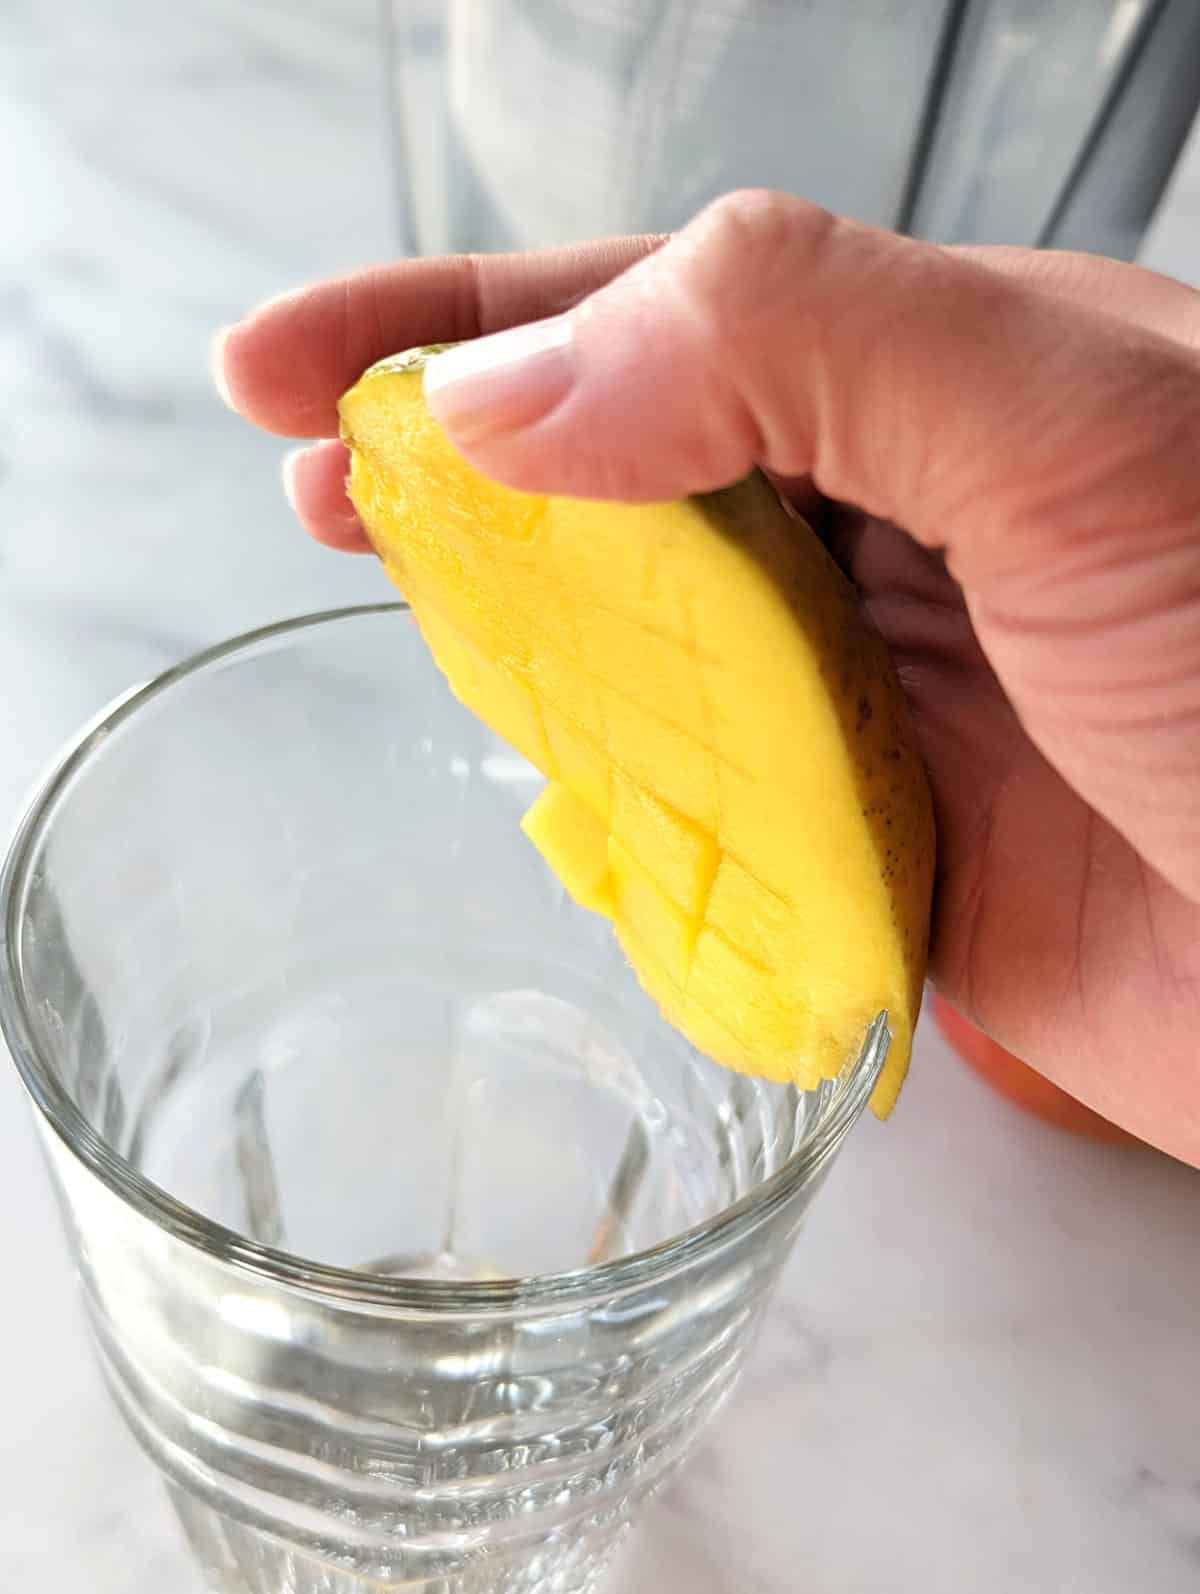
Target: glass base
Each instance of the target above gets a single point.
(236, 1559)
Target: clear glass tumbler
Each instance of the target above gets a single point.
(416, 1247)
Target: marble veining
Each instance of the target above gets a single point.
(980, 1372)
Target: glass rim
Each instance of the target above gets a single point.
(349, 1285)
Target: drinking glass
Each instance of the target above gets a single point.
(417, 1248)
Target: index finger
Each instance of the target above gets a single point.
(286, 365)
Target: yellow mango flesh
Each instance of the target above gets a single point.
(732, 779)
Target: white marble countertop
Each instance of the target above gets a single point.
(981, 1374)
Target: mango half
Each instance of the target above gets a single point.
(731, 774)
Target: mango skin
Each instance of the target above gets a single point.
(732, 775)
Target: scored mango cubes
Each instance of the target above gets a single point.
(732, 778)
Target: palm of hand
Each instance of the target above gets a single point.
(1048, 926)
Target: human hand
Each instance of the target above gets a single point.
(1032, 421)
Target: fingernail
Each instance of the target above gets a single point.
(287, 470)
(216, 364)
(503, 382)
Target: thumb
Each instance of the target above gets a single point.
(769, 332)
(1050, 448)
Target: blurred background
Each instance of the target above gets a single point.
(168, 165)
(171, 165)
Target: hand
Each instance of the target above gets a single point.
(1031, 421)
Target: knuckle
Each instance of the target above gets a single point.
(755, 250)
(748, 269)
(759, 227)
(759, 214)
(471, 312)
